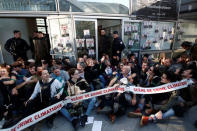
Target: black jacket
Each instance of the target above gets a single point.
(91, 73)
(105, 45)
(17, 46)
(117, 45)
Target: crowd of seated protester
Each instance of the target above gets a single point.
(26, 88)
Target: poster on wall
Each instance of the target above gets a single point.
(132, 35)
(64, 30)
(158, 34)
(91, 52)
(90, 43)
(127, 27)
(80, 43)
(86, 32)
(155, 9)
(68, 48)
(60, 33)
(134, 29)
(62, 45)
(131, 42)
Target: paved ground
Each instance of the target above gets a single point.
(128, 124)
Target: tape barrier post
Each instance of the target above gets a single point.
(42, 114)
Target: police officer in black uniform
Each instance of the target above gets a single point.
(17, 46)
(117, 46)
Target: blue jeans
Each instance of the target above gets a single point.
(103, 81)
(91, 86)
(66, 114)
(91, 103)
(168, 114)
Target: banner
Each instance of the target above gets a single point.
(40, 115)
(161, 89)
(36, 117)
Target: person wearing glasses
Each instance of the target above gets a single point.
(75, 112)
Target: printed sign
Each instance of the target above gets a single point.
(155, 9)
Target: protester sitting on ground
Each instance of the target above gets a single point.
(7, 103)
(91, 73)
(46, 93)
(81, 67)
(19, 71)
(130, 97)
(132, 58)
(143, 74)
(46, 65)
(66, 64)
(108, 72)
(27, 87)
(180, 104)
(146, 101)
(134, 68)
(93, 76)
(190, 49)
(60, 75)
(119, 103)
(76, 112)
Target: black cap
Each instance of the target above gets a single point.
(146, 55)
(115, 32)
(186, 43)
(16, 31)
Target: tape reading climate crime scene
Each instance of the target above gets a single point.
(46, 112)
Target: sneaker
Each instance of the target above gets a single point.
(112, 118)
(83, 120)
(144, 120)
(134, 114)
(74, 124)
(2, 123)
(159, 115)
(137, 113)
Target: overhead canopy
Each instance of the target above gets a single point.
(27, 5)
(93, 7)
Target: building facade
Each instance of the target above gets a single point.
(74, 26)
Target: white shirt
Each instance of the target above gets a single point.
(54, 87)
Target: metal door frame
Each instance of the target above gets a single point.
(96, 31)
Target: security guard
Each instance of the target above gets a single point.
(117, 46)
(17, 46)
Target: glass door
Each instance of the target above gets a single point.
(61, 36)
(86, 37)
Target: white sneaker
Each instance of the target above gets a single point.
(2, 123)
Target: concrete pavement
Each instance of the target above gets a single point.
(127, 124)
